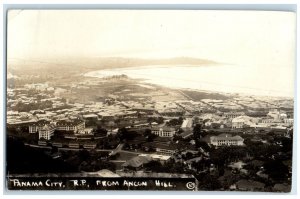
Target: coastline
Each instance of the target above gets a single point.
(195, 78)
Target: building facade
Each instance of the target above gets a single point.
(164, 132)
(35, 127)
(46, 132)
(226, 140)
(75, 125)
(238, 123)
(187, 124)
(166, 150)
(231, 115)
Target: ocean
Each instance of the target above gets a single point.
(217, 78)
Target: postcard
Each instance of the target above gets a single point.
(150, 100)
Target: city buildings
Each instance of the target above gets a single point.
(165, 149)
(74, 125)
(238, 123)
(187, 124)
(137, 162)
(47, 131)
(95, 127)
(36, 126)
(231, 115)
(243, 121)
(164, 131)
(226, 140)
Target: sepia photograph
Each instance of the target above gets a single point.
(150, 100)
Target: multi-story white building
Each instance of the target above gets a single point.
(238, 123)
(267, 120)
(242, 121)
(274, 114)
(231, 115)
(85, 131)
(187, 124)
(164, 131)
(35, 127)
(75, 125)
(39, 86)
(46, 131)
(165, 149)
(289, 121)
(226, 140)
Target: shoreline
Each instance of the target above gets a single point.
(180, 83)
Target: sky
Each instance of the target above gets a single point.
(263, 41)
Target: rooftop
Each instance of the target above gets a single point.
(226, 137)
(163, 128)
(137, 161)
(48, 127)
(69, 123)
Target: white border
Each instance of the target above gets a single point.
(150, 2)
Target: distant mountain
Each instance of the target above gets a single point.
(102, 62)
(118, 62)
(168, 61)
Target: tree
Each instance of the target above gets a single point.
(180, 131)
(147, 132)
(287, 143)
(177, 138)
(276, 170)
(175, 122)
(196, 120)
(150, 120)
(189, 155)
(111, 124)
(117, 121)
(209, 182)
(121, 133)
(84, 155)
(148, 135)
(124, 134)
(154, 166)
(180, 120)
(203, 145)
(101, 130)
(160, 120)
(197, 131)
(54, 149)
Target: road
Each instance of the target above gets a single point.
(185, 95)
(63, 149)
(118, 149)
